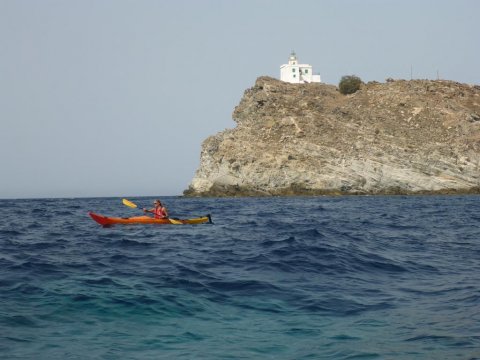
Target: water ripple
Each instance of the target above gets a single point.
(279, 278)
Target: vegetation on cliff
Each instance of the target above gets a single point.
(349, 84)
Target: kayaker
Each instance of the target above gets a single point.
(159, 211)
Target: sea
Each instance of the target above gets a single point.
(347, 277)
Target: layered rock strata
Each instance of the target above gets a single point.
(398, 137)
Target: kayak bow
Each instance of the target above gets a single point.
(106, 220)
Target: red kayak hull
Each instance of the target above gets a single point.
(106, 220)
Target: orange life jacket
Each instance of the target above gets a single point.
(159, 213)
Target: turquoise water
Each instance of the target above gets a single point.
(272, 278)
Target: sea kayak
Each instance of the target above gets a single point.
(106, 220)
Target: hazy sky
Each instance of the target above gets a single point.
(114, 97)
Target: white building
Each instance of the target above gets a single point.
(296, 73)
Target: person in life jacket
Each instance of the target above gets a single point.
(159, 211)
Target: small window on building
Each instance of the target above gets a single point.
(306, 71)
(293, 70)
(294, 75)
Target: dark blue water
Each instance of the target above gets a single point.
(273, 278)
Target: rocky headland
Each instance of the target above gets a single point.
(397, 137)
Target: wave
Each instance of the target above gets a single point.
(325, 277)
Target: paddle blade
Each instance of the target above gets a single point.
(129, 203)
(174, 221)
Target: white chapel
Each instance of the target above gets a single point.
(296, 73)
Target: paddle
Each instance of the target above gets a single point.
(129, 203)
(134, 206)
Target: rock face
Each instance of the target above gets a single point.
(398, 137)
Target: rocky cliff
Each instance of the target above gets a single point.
(398, 137)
